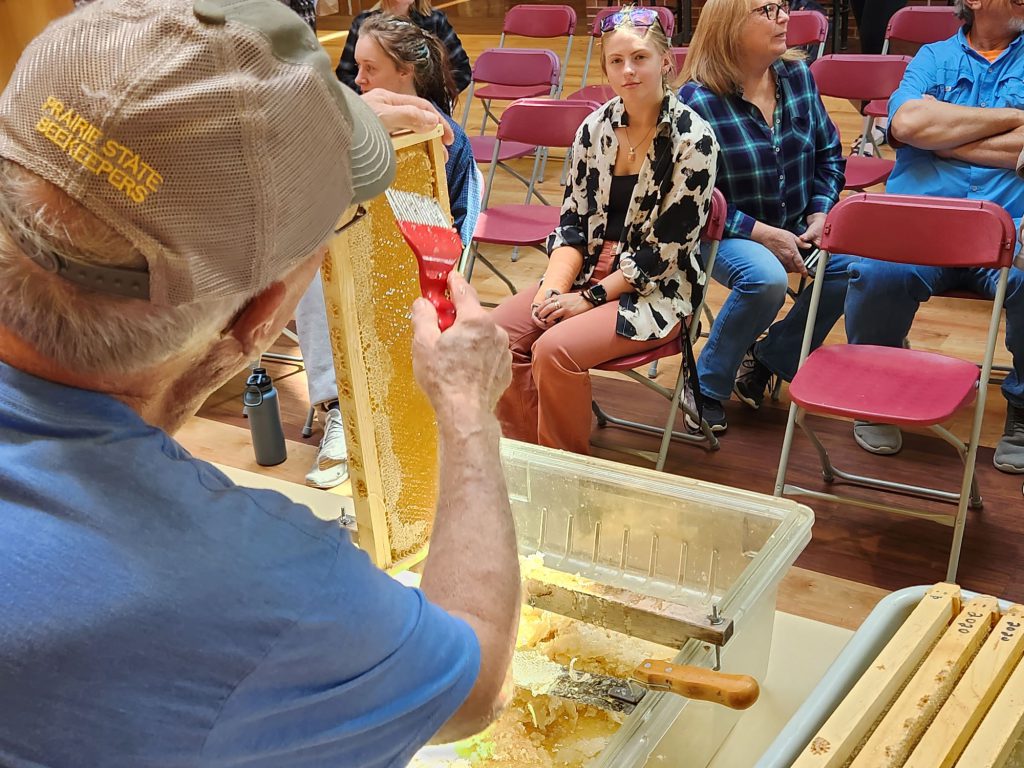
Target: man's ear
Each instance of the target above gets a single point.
(258, 323)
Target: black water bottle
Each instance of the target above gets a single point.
(264, 413)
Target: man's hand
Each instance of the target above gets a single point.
(399, 112)
(812, 235)
(784, 244)
(464, 370)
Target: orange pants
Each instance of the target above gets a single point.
(548, 401)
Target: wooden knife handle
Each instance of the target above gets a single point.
(733, 691)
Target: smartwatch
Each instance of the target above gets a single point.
(596, 294)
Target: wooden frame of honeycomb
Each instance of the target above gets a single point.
(370, 280)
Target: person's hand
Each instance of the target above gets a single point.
(464, 370)
(399, 112)
(560, 307)
(812, 235)
(786, 247)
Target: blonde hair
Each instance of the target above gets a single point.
(653, 35)
(81, 330)
(714, 56)
(422, 7)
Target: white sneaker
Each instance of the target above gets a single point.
(331, 466)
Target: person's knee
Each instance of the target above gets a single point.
(550, 353)
(766, 286)
(885, 281)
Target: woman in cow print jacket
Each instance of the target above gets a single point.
(624, 262)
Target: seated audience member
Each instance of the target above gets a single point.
(781, 169)
(395, 55)
(958, 122)
(624, 262)
(419, 13)
(154, 613)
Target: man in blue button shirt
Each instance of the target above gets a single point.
(957, 121)
(169, 173)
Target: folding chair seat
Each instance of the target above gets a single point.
(603, 92)
(807, 28)
(537, 122)
(712, 233)
(916, 25)
(859, 77)
(893, 385)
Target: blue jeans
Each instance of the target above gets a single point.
(884, 298)
(758, 282)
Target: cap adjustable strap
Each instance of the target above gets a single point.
(122, 281)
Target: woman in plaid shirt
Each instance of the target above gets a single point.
(781, 170)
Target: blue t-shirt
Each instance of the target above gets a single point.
(955, 73)
(153, 614)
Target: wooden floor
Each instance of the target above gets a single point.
(855, 554)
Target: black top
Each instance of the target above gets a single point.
(618, 204)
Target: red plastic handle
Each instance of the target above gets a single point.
(445, 309)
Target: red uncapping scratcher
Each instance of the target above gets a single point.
(437, 246)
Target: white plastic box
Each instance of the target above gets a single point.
(679, 539)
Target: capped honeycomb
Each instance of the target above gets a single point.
(370, 281)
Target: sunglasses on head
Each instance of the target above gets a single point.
(771, 10)
(641, 18)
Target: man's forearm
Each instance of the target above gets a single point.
(1001, 151)
(935, 125)
(472, 570)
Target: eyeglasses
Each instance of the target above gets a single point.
(771, 10)
(642, 18)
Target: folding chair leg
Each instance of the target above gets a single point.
(497, 273)
(307, 428)
(787, 447)
(828, 472)
(652, 370)
(961, 449)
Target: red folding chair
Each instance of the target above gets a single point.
(860, 77)
(915, 25)
(507, 74)
(602, 93)
(713, 231)
(807, 28)
(536, 122)
(543, 22)
(893, 385)
(531, 70)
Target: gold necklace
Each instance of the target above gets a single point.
(632, 148)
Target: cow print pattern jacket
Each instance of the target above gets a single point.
(659, 253)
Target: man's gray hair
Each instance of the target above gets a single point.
(962, 11)
(81, 330)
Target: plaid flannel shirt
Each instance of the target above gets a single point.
(778, 177)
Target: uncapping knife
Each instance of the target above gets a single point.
(541, 676)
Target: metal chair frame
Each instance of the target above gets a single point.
(713, 232)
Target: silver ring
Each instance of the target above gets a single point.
(558, 305)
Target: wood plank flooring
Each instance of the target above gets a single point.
(855, 555)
